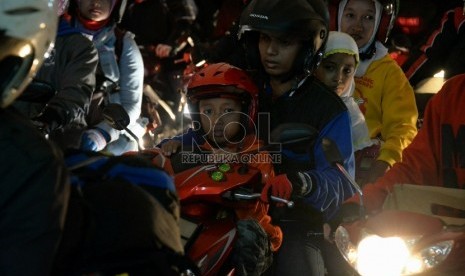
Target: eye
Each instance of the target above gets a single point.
(348, 15)
(207, 111)
(348, 70)
(229, 110)
(264, 38)
(285, 42)
(328, 67)
(369, 17)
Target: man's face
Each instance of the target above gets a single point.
(278, 52)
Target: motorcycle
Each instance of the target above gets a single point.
(164, 100)
(420, 231)
(209, 194)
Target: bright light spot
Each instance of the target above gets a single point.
(352, 255)
(439, 74)
(42, 26)
(200, 63)
(414, 265)
(25, 51)
(381, 256)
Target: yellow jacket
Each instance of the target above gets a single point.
(387, 100)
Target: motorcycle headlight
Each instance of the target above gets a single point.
(375, 255)
(428, 257)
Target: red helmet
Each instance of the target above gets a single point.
(223, 80)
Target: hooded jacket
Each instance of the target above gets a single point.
(385, 96)
(128, 72)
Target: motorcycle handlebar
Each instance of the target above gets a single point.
(236, 195)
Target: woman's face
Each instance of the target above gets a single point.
(336, 71)
(358, 20)
(278, 53)
(220, 119)
(96, 10)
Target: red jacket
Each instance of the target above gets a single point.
(257, 210)
(436, 156)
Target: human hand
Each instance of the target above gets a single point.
(377, 169)
(163, 50)
(278, 186)
(94, 139)
(170, 147)
(347, 213)
(41, 126)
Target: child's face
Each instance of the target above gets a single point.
(96, 10)
(220, 119)
(278, 53)
(358, 20)
(336, 71)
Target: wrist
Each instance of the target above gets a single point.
(105, 134)
(302, 183)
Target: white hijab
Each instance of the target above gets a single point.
(381, 50)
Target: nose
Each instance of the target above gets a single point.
(337, 77)
(272, 49)
(340, 77)
(358, 25)
(96, 2)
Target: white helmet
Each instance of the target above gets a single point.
(27, 33)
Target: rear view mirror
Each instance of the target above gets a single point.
(116, 116)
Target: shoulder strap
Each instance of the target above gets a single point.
(119, 33)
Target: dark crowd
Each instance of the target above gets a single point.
(229, 137)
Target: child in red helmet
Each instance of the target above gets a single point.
(223, 102)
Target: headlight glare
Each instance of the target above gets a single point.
(429, 257)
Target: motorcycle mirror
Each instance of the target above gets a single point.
(334, 157)
(117, 117)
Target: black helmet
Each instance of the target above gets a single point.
(308, 19)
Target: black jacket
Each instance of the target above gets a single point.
(34, 193)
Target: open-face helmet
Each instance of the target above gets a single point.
(27, 33)
(221, 80)
(306, 19)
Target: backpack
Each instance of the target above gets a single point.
(123, 216)
(104, 86)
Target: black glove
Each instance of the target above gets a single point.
(47, 121)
